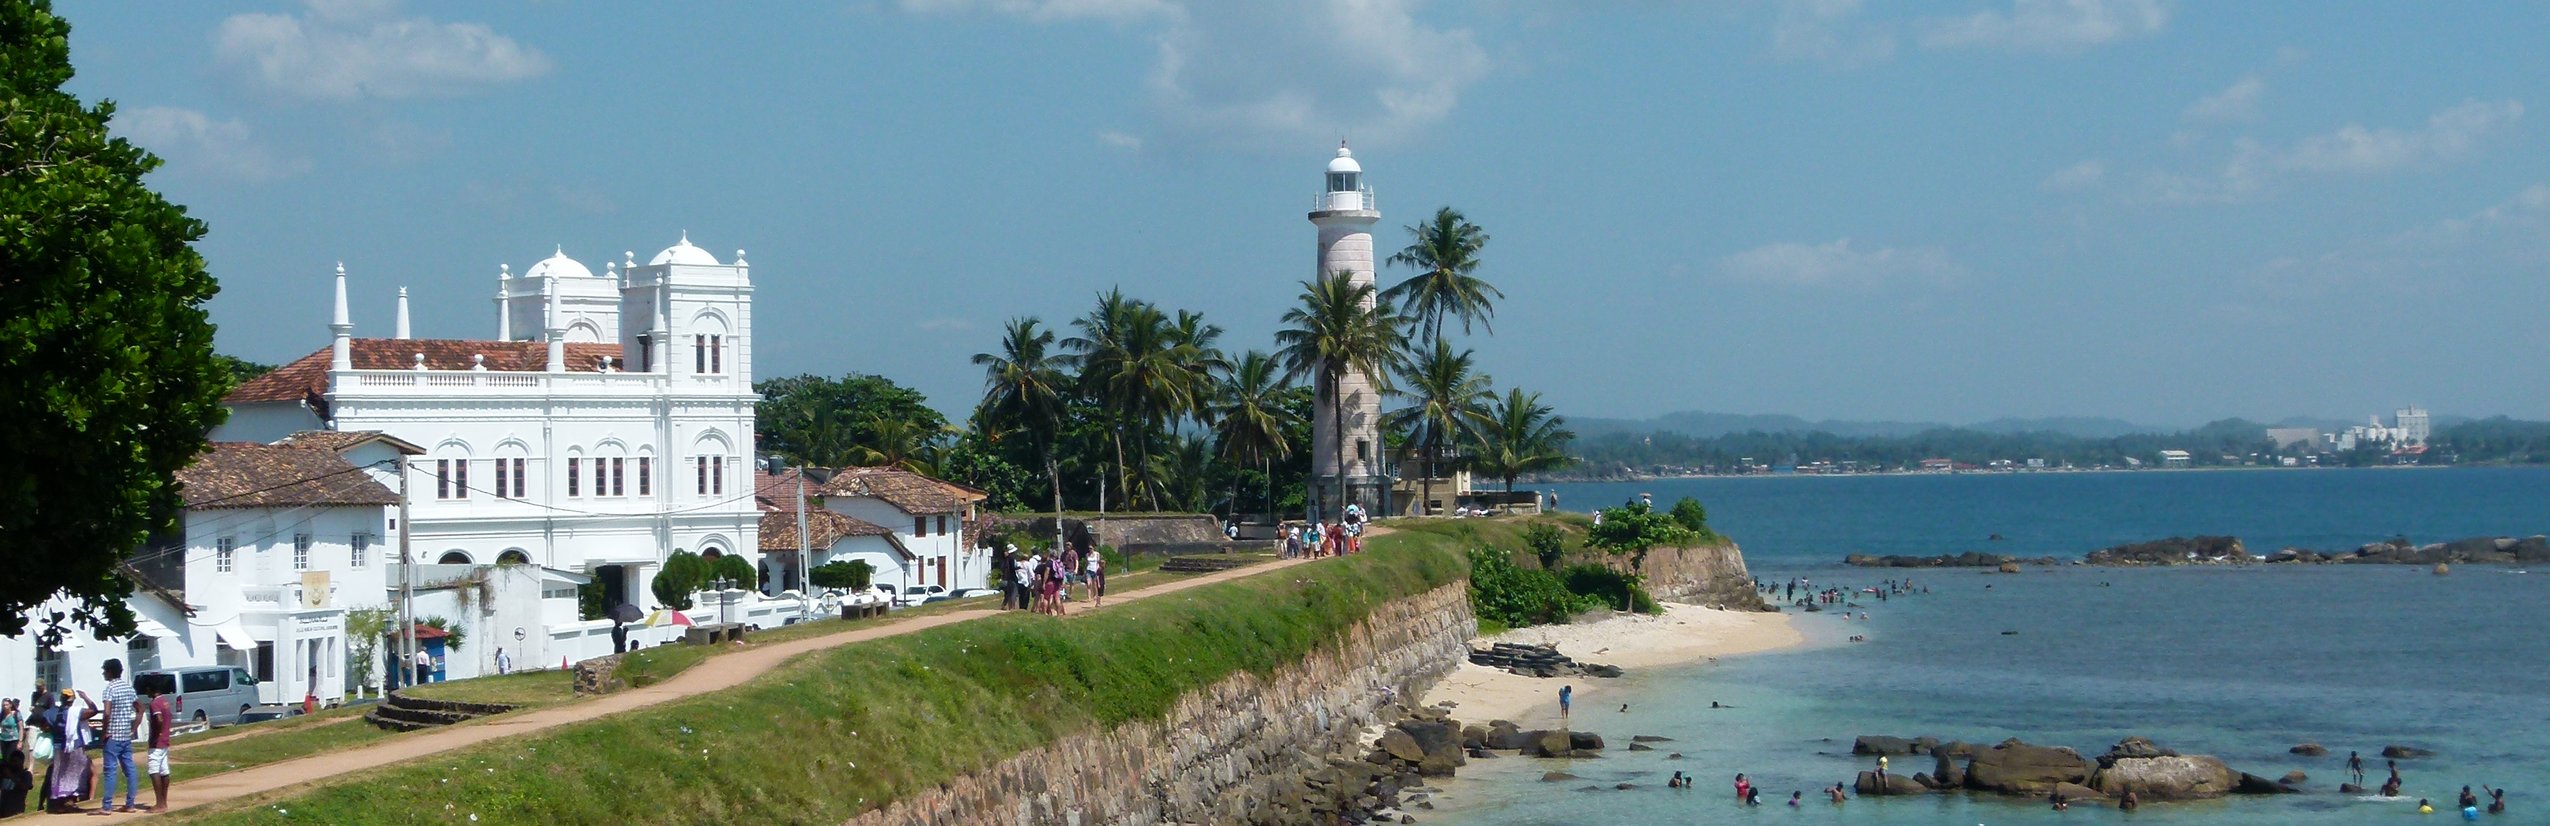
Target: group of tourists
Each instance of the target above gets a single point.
(2468, 803)
(63, 729)
(1319, 539)
(1034, 582)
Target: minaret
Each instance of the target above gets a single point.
(402, 314)
(341, 351)
(504, 302)
(557, 331)
(1344, 214)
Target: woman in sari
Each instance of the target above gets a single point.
(67, 780)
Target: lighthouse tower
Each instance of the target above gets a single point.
(1344, 214)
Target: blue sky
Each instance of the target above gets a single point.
(2166, 212)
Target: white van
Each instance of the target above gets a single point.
(214, 695)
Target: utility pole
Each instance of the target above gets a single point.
(406, 580)
(805, 551)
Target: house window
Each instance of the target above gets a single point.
(703, 476)
(362, 549)
(301, 552)
(699, 353)
(716, 354)
(920, 526)
(646, 353)
(1363, 450)
(451, 478)
(222, 554)
(942, 524)
(717, 475)
(619, 477)
(520, 474)
(575, 477)
(646, 474)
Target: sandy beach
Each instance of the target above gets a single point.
(1682, 634)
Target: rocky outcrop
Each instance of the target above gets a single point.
(2405, 752)
(2477, 550)
(2016, 768)
(1277, 748)
(2176, 550)
(1870, 744)
(1893, 784)
(1537, 661)
(1969, 559)
(1709, 575)
(2200, 777)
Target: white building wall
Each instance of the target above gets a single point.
(265, 422)
(966, 567)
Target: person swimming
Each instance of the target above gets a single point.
(1836, 793)
(2425, 808)
(2467, 799)
(1796, 799)
(2496, 800)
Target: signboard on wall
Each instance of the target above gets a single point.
(314, 589)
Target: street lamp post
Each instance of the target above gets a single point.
(721, 584)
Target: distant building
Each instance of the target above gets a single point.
(2288, 438)
(2176, 458)
(2412, 424)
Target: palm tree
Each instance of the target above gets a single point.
(899, 443)
(1445, 254)
(1521, 436)
(1338, 329)
(1248, 417)
(1023, 392)
(1148, 372)
(1448, 402)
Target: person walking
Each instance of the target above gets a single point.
(2355, 766)
(67, 777)
(1566, 698)
(504, 662)
(1097, 580)
(12, 731)
(123, 710)
(162, 717)
(424, 666)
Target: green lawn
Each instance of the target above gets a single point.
(528, 689)
(845, 730)
(188, 762)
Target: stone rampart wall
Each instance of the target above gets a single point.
(1223, 753)
(1711, 575)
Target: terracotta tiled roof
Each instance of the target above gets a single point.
(341, 441)
(823, 528)
(307, 377)
(907, 491)
(251, 475)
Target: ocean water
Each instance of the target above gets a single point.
(2238, 663)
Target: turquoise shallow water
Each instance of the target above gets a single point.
(2238, 663)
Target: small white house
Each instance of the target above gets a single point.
(830, 536)
(922, 517)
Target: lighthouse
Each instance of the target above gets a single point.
(1344, 214)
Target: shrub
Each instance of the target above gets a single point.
(1691, 516)
(736, 570)
(1609, 588)
(1505, 594)
(1546, 543)
(854, 574)
(681, 577)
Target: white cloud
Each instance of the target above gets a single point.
(1837, 264)
(354, 49)
(2076, 177)
(2237, 102)
(2511, 235)
(1271, 75)
(1120, 140)
(2355, 149)
(1825, 31)
(2447, 135)
(2049, 26)
(192, 140)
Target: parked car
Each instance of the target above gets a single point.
(970, 593)
(918, 594)
(213, 695)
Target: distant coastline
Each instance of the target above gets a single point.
(1656, 477)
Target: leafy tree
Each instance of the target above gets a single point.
(1249, 419)
(826, 422)
(737, 571)
(453, 634)
(1005, 485)
(107, 376)
(1448, 401)
(1692, 517)
(1546, 542)
(1023, 393)
(1337, 330)
(852, 574)
(1633, 529)
(1521, 435)
(1505, 593)
(241, 371)
(365, 628)
(1445, 252)
(683, 574)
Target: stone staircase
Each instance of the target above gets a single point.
(1206, 564)
(404, 713)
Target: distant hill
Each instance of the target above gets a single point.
(1711, 425)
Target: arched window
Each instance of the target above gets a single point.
(513, 556)
(454, 558)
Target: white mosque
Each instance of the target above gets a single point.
(607, 424)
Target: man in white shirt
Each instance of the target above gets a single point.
(424, 666)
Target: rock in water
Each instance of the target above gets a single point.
(2294, 778)
(1894, 784)
(2253, 784)
(2309, 750)
(2016, 768)
(2405, 752)
(2442, 569)
(1945, 770)
(1400, 745)
(2198, 777)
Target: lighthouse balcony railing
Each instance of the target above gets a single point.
(1359, 199)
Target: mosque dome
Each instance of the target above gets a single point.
(1345, 161)
(683, 253)
(558, 265)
